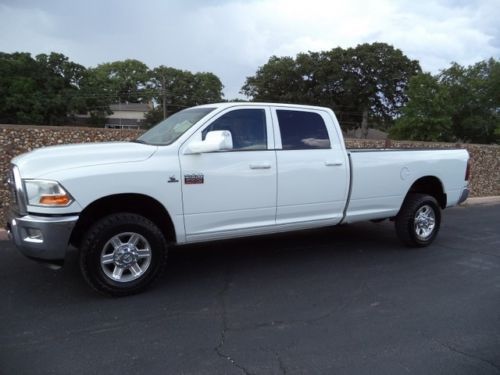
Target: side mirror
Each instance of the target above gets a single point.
(218, 140)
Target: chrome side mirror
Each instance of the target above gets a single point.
(217, 140)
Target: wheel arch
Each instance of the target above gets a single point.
(430, 185)
(134, 203)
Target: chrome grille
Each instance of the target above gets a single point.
(12, 187)
(17, 199)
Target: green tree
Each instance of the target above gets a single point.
(43, 90)
(426, 116)
(122, 81)
(175, 89)
(61, 84)
(361, 83)
(459, 104)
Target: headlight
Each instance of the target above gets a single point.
(46, 193)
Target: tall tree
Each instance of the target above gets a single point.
(426, 116)
(43, 90)
(361, 83)
(459, 104)
(174, 89)
(123, 81)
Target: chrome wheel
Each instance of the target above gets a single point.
(425, 222)
(126, 257)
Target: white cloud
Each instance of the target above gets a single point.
(232, 38)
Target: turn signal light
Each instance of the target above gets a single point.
(55, 200)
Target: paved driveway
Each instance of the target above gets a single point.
(347, 300)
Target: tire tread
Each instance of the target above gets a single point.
(92, 237)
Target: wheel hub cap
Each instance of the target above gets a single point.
(425, 222)
(125, 255)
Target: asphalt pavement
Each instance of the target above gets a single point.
(344, 300)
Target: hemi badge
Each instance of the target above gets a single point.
(191, 179)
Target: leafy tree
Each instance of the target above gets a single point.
(51, 89)
(426, 116)
(38, 91)
(175, 89)
(122, 81)
(361, 83)
(459, 104)
(61, 83)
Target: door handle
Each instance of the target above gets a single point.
(333, 163)
(260, 166)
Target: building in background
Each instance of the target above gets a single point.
(127, 115)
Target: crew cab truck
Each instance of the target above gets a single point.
(213, 172)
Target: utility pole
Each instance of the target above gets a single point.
(164, 93)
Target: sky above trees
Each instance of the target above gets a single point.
(233, 38)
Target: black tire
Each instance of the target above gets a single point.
(138, 268)
(422, 233)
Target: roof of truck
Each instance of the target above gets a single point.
(259, 104)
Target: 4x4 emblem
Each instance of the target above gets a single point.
(172, 179)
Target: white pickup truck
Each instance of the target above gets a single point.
(214, 172)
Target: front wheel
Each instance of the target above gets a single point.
(419, 220)
(122, 254)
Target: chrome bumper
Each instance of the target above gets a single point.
(40, 237)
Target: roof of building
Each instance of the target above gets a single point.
(123, 121)
(135, 107)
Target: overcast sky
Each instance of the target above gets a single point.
(233, 38)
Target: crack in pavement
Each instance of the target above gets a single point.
(276, 354)
(468, 355)
(224, 328)
(37, 337)
(353, 297)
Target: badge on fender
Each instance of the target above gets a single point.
(196, 178)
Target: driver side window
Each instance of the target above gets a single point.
(247, 127)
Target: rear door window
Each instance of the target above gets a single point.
(302, 130)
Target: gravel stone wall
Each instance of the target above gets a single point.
(18, 139)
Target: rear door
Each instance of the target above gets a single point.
(312, 167)
(230, 193)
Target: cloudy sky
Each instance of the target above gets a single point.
(233, 38)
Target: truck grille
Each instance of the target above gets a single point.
(12, 187)
(14, 190)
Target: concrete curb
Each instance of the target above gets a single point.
(481, 201)
(475, 201)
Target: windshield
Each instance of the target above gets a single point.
(174, 126)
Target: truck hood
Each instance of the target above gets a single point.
(37, 163)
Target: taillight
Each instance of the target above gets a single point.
(468, 171)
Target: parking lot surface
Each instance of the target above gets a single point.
(344, 300)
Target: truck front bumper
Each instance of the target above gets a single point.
(41, 237)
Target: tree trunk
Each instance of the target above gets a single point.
(364, 124)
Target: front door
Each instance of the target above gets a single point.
(231, 193)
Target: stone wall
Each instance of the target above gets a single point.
(17, 139)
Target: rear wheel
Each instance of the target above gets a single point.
(419, 220)
(122, 254)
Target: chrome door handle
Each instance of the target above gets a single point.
(333, 163)
(260, 166)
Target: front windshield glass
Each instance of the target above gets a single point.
(174, 126)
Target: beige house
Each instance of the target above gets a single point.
(127, 115)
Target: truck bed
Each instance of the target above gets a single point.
(380, 178)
